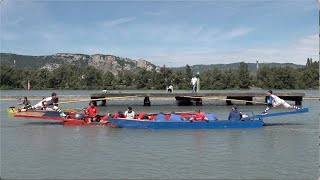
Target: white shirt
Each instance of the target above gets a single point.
(129, 115)
(276, 100)
(194, 81)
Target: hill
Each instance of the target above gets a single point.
(110, 63)
(251, 66)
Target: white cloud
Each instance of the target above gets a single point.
(298, 52)
(237, 32)
(117, 22)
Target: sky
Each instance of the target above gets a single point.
(174, 33)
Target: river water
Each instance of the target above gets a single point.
(285, 149)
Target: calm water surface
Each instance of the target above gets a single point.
(286, 149)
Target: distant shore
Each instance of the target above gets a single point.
(87, 97)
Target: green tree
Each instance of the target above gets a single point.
(244, 76)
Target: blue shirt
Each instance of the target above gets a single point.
(175, 117)
(160, 117)
(234, 115)
(211, 117)
(269, 100)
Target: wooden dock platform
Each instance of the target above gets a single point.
(196, 98)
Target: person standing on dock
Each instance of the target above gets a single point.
(274, 101)
(194, 84)
(53, 100)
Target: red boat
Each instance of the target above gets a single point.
(72, 120)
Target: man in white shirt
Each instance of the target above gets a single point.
(194, 83)
(53, 100)
(274, 101)
(129, 113)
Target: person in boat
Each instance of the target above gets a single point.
(119, 115)
(194, 84)
(234, 113)
(175, 117)
(25, 104)
(92, 113)
(160, 117)
(275, 101)
(199, 117)
(49, 101)
(143, 116)
(129, 113)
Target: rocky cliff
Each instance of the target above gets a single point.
(110, 63)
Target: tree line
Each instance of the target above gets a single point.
(75, 77)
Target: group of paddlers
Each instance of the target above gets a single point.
(92, 111)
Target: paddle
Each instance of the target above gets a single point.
(224, 99)
(107, 98)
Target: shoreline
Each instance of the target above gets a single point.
(87, 97)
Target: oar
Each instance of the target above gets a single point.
(107, 98)
(255, 102)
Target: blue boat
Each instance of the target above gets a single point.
(249, 122)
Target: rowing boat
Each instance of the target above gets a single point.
(249, 122)
(55, 116)
(254, 121)
(13, 110)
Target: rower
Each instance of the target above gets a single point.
(143, 116)
(119, 115)
(234, 114)
(129, 113)
(53, 100)
(198, 117)
(160, 117)
(274, 101)
(175, 117)
(92, 113)
(25, 104)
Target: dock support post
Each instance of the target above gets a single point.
(229, 103)
(146, 101)
(199, 102)
(103, 103)
(299, 103)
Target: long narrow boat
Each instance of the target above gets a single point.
(55, 116)
(249, 122)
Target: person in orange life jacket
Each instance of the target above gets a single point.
(119, 115)
(144, 116)
(92, 112)
(198, 117)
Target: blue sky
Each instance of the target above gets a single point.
(165, 32)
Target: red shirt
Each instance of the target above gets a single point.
(141, 115)
(92, 111)
(119, 116)
(199, 117)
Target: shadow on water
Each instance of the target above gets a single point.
(44, 123)
(281, 124)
